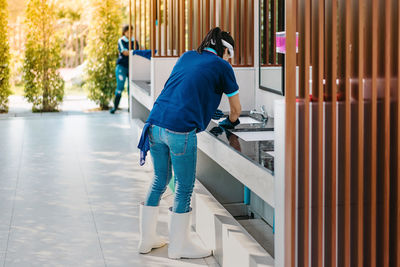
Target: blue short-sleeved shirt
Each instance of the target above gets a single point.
(193, 92)
(123, 45)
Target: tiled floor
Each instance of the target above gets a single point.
(70, 188)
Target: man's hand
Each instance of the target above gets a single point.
(228, 124)
(217, 115)
(125, 53)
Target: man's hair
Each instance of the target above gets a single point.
(213, 40)
(125, 28)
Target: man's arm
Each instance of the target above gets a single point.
(235, 108)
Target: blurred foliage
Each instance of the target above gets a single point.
(16, 9)
(70, 19)
(104, 30)
(72, 10)
(44, 87)
(4, 58)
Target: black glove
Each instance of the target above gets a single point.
(217, 130)
(227, 124)
(217, 115)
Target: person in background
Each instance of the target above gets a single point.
(189, 100)
(122, 69)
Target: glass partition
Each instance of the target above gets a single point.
(271, 62)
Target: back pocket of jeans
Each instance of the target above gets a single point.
(177, 142)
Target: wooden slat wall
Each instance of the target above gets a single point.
(171, 37)
(347, 188)
(373, 170)
(304, 135)
(360, 132)
(290, 135)
(397, 75)
(386, 156)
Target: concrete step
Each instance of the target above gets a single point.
(261, 232)
(231, 243)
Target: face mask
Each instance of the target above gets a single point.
(126, 38)
(230, 48)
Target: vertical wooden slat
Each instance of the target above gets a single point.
(159, 27)
(182, 26)
(266, 39)
(360, 130)
(173, 27)
(222, 14)
(130, 25)
(198, 23)
(135, 20)
(237, 20)
(398, 139)
(140, 24)
(230, 23)
(166, 27)
(273, 31)
(320, 73)
(251, 29)
(304, 43)
(144, 29)
(170, 28)
(214, 13)
(347, 158)
(317, 88)
(178, 27)
(331, 83)
(245, 32)
(207, 24)
(372, 247)
(145, 22)
(386, 175)
(190, 18)
(152, 27)
(290, 135)
(201, 15)
(230, 16)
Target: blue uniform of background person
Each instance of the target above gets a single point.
(190, 97)
(122, 69)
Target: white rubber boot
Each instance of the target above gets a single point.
(147, 227)
(180, 241)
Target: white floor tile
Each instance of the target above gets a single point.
(78, 195)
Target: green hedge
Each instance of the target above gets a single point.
(102, 50)
(4, 58)
(43, 86)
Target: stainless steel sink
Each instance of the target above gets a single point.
(252, 129)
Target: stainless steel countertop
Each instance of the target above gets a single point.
(241, 159)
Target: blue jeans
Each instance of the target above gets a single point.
(121, 73)
(175, 150)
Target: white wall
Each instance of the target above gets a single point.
(267, 99)
(271, 77)
(279, 184)
(161, 68)
(245, 78)
(139, 68)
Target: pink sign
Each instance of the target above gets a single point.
(281, 42)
